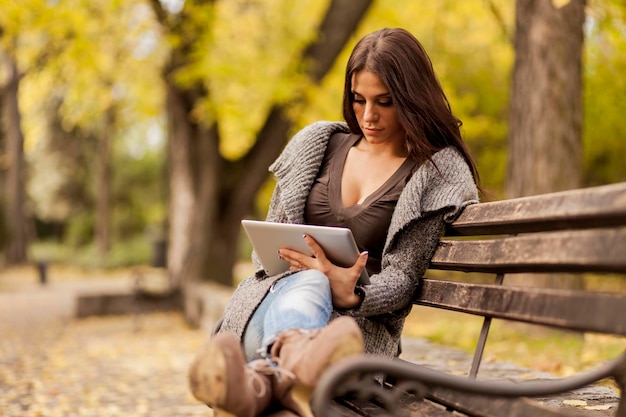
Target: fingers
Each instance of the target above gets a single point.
(318, 252)
(298, 260)
(295, 259)
(362, 260)
(318, 260)
(360, 264)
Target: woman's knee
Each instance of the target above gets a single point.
(313, 277)
(312, 281)
(309, 286)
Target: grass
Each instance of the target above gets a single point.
(559, 353)
(130, 252)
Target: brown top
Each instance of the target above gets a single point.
(369, 221)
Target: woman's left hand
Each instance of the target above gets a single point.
(342, 280)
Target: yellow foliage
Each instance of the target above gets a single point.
(255, 63)
(88, 54)
(98, 54)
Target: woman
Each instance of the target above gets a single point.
(395, 173)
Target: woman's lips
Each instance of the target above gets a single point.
(371, 130)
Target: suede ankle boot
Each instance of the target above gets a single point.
(308, 353)
(220, 378)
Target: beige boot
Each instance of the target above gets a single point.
(220, 378)
(307, 354)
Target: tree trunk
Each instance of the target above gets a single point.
(245, 177)
(209, 195)
(545, 121)
(103, 184)
(15, 217)
(194, 164)
(3, 224)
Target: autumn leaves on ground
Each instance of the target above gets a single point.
(52, 364)
(100, 367)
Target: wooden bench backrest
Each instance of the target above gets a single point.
(580, 231)
(573, 232)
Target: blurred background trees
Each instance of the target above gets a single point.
(126, 125)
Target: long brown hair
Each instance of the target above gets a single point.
(424, 112)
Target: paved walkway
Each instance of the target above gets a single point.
(52, 364)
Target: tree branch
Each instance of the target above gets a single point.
(339, 23)
(497, 14)
(159, 12)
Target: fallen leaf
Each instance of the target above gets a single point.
(456, 372)
(575, 403)
(598, 407)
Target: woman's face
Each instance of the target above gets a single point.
(374, 109)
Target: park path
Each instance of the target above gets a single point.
(52, 364)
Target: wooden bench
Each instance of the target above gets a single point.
(575, 232)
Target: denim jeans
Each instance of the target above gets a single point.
(299, 301)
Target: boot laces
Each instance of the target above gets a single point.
(256, 384)
(269, 368)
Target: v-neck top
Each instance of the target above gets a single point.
(368, 220)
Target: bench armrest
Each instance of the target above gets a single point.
(340, 381)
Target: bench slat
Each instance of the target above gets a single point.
(566, 309)
(472, 404)
(409, 405)
(344, 409)
(484, 406)
(596, 250)
(603, 206)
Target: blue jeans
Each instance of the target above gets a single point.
(299, 301)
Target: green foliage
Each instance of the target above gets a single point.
(80, 230)
(605, 90)
(129, 252)
(139, 182)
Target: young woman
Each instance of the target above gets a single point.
(394, 173)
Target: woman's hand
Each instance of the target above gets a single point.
(342, 280)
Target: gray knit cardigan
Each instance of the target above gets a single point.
(434, 195)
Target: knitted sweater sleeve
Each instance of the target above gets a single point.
(403, 266)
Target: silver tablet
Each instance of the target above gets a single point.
(267, 237)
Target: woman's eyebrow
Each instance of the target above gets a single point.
(387, 94)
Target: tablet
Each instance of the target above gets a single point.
(267, 237)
